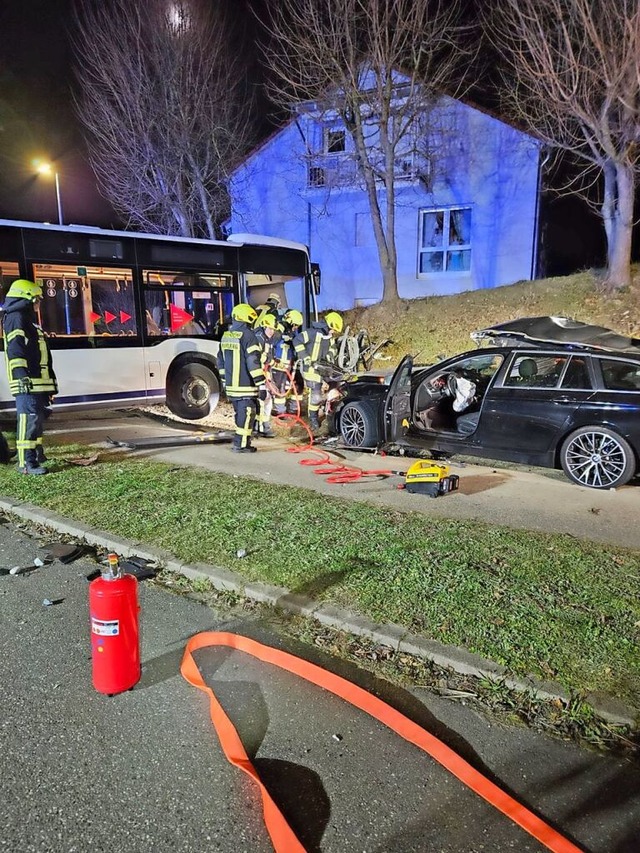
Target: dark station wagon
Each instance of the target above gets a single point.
(547, 391)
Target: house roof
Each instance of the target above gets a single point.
(466, 101)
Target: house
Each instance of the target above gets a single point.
(467, 189)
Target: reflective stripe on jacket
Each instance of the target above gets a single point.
(239, 361)
(26, 350)
(314, 345)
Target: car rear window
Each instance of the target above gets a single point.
(536, 371)
(577, 374)
(620, 375)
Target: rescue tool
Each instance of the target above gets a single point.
(115, 636)
(430, 478)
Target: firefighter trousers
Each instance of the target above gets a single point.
(245, 415)
(30, 412)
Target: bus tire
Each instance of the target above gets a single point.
(193, 391)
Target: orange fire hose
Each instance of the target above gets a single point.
(335, 472)
(282, 836)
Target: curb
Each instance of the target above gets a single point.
(610, 709)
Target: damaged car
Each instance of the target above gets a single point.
(544, 391)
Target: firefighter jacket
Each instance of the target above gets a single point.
(314, 345)
(268, 345)
(26, 350)
(239, 361)
(283, 353)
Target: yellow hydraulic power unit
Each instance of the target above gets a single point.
(430, 478)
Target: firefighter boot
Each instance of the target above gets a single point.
(40, 455)
(31, 465)
(236, 447)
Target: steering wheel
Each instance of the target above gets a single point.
(452, 385)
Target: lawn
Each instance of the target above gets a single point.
(541, 604)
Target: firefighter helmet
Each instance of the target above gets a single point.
(268, 320)
(244, 313)
(293, 317)
(274, 300)
(334, 321)
(22, 288)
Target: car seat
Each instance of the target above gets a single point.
(527, 370)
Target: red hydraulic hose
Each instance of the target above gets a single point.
(283, 838)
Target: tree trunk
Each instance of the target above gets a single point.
(617, 214)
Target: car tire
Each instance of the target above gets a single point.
(193, 391)
(598, 458)
(359, 424)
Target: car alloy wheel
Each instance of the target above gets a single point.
(597, 458)
(358, 424)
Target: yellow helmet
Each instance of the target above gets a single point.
(244, 313)
(22, 288)
(267, 319)
(334, 321)
(293, 317)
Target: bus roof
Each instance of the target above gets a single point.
(234, 239)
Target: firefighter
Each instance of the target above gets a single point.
(288, 385)
(270, 306)
(241, 373)
(314, 345)
(32, 380)
(268, 337)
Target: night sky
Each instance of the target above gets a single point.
(37, 120)
(37, 116)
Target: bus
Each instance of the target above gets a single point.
(136, 319)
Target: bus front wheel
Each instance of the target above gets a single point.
(193, 392)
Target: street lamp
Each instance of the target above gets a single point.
(47, 169)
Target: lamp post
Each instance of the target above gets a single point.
(47, 169)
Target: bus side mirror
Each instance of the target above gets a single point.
(315, 278)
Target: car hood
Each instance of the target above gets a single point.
(557, 330)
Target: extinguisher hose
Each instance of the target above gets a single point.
(282, 836)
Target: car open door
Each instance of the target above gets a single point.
(397, 403)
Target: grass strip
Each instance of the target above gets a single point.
(548, 605)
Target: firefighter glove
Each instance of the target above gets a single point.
(25, 385)
(262, 393)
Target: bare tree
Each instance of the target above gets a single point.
(162, 103)
(377, 65)
(574, 81)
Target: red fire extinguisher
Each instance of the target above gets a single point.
(115, 637)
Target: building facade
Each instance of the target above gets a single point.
(466, 208)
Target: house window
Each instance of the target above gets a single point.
(445, 240)
(335, 141)
(316, 177)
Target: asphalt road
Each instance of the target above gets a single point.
(143, 770)
(537, 499)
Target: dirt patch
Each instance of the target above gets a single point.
(476, 483)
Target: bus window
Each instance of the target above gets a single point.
(289, 289)
(9, 272)
(192, 303)
(86, 301)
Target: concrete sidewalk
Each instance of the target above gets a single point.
(537, 499)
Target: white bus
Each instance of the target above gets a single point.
(135, 319)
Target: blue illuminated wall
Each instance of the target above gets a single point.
(471, 160)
